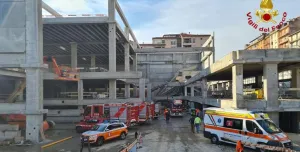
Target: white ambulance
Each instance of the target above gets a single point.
(229, 126)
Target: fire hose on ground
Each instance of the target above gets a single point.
(137, 143)
(262, 146)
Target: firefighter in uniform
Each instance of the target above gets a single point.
(239, 146)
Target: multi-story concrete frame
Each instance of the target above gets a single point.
(168, 68)
(282, 103)
(74, 41)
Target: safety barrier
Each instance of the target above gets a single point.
(136, 144)
(262, 146)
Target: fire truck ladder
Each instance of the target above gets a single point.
(19, 90)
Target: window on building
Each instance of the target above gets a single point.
(163, 41)
(194, 40)
(187, 40)
(233, 123)
(173, 42)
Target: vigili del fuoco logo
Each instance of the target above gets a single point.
(266, 14)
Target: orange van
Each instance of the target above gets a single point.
(105, 131)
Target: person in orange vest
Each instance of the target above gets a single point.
(197, 112)
(165, 112)
(239, 146)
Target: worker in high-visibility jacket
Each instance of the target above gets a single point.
(197, 123)
(239, 146)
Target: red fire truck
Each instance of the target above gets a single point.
(146, 111)
(176, 108)
(94, 114)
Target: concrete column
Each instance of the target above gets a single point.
(112, 36)
(135, 91)
(34, 103)
(127, 90)
(127, 53)
(106, 88)
(213, 87)
(33, 65)
(270, 81)
(185, 91)
(295, 83)
(73, 55)
(149, 92)
(142, 89)
(275, 117)
(80, 90)
(237, 86)
(112, 89)
(134, 63)
(219, 86)
(192, 91)
(204, 88)
(93, 63)
(259, 81)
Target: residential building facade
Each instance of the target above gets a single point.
(178, 40)
(295, 39)
(277, 39)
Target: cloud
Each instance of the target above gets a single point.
(226, 18)
(78, 6)
(152, 18)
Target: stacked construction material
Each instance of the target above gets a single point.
(10, 133)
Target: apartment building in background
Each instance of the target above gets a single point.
(281, 38)
(295, 39)
(178, 40)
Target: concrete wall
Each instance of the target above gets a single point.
(162, 67)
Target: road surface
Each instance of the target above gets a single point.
(157, 137)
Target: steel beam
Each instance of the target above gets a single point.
(12, 73)
(50, 10)
(119, 10)
(75, 20)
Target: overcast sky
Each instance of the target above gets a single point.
(150, 18)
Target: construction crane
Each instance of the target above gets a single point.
(63, 73)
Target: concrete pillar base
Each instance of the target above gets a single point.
(112, 89)
(270, 82)
(80, 90)
(237, 86)
(33, 126)
(142, 89)
(135, 91)
(149, 92)
(127, 90)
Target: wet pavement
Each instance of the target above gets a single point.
(157, 137)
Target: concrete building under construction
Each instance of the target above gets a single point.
(108, 65)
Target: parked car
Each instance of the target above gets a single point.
(105, 131)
